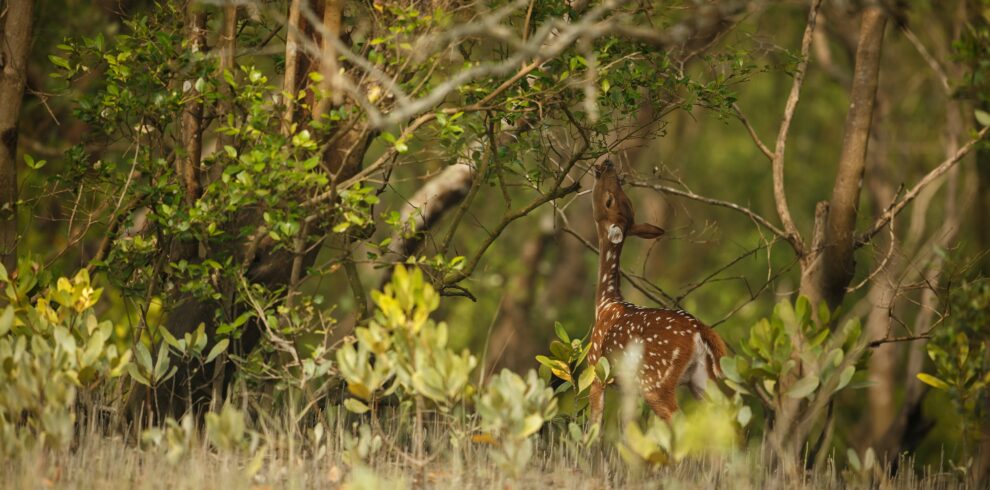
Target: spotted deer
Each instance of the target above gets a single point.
(677, 349)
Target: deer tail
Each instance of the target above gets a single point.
(714, 349)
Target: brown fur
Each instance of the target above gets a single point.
(677, 348)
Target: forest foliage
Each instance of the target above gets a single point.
(360, 231)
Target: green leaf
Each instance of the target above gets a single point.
(933, 381)
(162, 364)
(744, 416)
(737, 387)
(531, 425)
(170, 339)
(586, 378)
(32, 163)
(853, 459)
(217, 349)
(603, 369)
(133, 371)
(544, 360)
(983, 117)
(728, 365)
(560, 350)
(168, 376)
(356, 406)
(561, 332)
(59, 61)
(229, 78)
(845, 377)
(142, 356)
(6, 319)
(804, 387)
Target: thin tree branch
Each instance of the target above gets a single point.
(715, 202)
(886, 258)
(779, 194)
(558, 192)
(752, 133)
(886, 340)
(930, 177)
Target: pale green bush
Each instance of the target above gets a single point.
(512, 409)
(793, 364)
(51, 346)
(709, 428)
(409, 349)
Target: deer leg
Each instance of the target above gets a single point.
(662, 401)
(597, 401)
(662, 397)
(698, 381)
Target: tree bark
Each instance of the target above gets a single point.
(15, 45)
(331, 94)
(228, 52)
(192, 114)
(832, 268)
(292, 53)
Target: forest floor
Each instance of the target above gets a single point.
(111, 462)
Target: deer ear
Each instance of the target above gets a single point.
(644, 230)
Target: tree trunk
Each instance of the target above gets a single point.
(827, 272)
(15, 44)
(192, 114)
(227, 45)
(828, 266)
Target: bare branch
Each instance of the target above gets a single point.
(752, 133)
(428, 204)
(936, 67)
(472, 262)
(715, 202)
(556, 191)
(886, 258)
(692, 288)
(563, 36)
(697, 30)
(930, 177)
(886, 340)
(779, 194)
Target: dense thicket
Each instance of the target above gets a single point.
(230, 185)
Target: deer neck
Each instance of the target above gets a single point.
(608, 274)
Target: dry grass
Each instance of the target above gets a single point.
(101, 461)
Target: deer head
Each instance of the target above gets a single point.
(613, 212)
